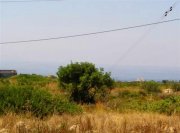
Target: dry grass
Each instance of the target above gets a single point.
(116, 91)
(53, 88)
(101, 122)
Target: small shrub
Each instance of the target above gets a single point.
(169, 105)
(119, 84)
(129, 94)
(4, 82)
(151, 87)
(64, 106)
(33, 80)
(176, 86)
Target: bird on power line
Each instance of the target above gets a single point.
(170, 9)
(167, 12)
(125, 54)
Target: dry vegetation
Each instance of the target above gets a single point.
(121, 113)
(101, 122)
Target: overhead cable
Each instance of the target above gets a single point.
(136, 43)
(22, 1)
(91, 33)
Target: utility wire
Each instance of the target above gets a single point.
(91, 33)
(171, 8)
(18, 1)
(136, 43)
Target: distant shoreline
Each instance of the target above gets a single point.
(124, 73)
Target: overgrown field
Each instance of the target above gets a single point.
(99, 122)
(34, 103)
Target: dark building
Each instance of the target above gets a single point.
(7, 73)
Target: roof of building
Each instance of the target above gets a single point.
(8, 71)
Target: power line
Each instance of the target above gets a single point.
(91, 33)
(18, 1)
(136, 43)
(171, 8)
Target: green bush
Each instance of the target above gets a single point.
(151, 87)
(129, 94)
(120, 84)
(168, 106)
(63, 106)
(39, 102)
(176, 86)
(33, 80)
(84, 81)
(128, 103)
(4, 82)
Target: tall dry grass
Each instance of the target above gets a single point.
(101, 122)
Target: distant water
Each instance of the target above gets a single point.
(146, 73)
(119, 73)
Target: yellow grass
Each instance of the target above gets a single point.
(100, 122)
(115, 91)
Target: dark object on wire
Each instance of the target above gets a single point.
(167, 12)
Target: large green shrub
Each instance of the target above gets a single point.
(84, 81)
(39, 102)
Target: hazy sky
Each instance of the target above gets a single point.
(34, 20)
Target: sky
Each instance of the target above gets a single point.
(152, 47)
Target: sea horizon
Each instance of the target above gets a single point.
(121, 73)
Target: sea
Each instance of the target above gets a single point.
(146, 73)
(121, 73)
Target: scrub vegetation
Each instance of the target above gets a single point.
(43, 104)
